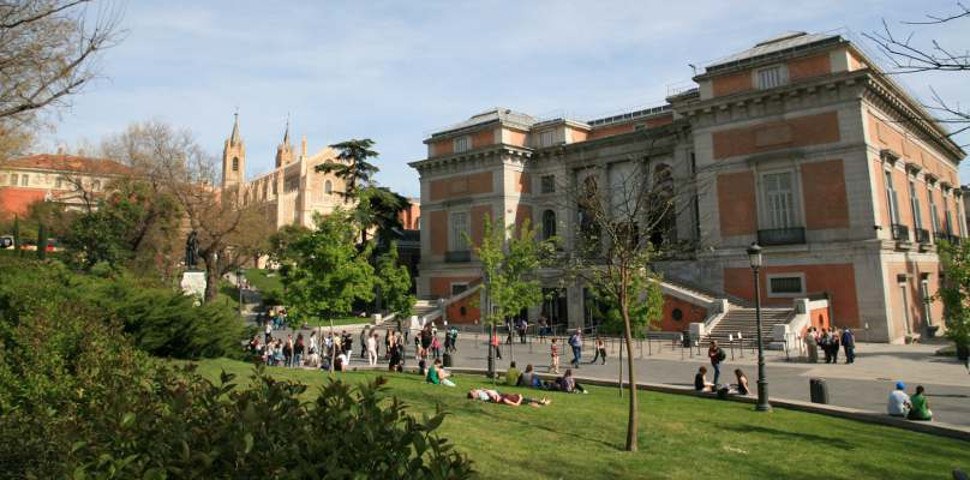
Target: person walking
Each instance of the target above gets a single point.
(576, 342)
(835, 345)
(825, 343)
(371, 344)
(364, 335)
(600, 350)
(554, 351)
(494, 344)
(811, 345)
(717, 355)
(848, 343)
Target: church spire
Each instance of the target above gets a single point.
(234, 139)
(284, 152)
(286, 134)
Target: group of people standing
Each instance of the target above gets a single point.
(830, 341)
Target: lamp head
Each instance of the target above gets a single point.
(754, 255)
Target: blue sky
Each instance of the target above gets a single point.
(395, 71)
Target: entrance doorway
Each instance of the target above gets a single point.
(555, 308)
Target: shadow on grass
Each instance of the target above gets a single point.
(782, 434)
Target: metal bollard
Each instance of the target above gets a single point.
(741, 340)
(649, 347)
(731, 344)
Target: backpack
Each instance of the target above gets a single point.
(721, 356)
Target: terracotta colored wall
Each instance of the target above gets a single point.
(441, 286)
(461, 185)
(477, 219)
(914, 300)
(523, 212)
(611, 130)
(820, 318)
(736, 203)
(901, 184)
(472, 314)
(442, 147)
(660, 121)
(523, 182)
(733, 83)
(809, 67)
(692, 313)
(855, 63)
(16, 201)
(578, 135)
(483, 138)
(836, 279)
(889, 135)
(515, 137)
(795, 132)
(823, 187)
(438, 225)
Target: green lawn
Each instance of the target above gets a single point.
(228, 294)
(580, 436)
(266, 281)
(337, 322)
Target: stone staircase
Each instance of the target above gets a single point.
(743, 319)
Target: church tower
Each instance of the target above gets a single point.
(284, 152)
(234, 158)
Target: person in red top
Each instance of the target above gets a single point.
(494, 343)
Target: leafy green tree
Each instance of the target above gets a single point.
(394, 283)
(326, 273)
(955, 292)
(510, 258)
(353, 167)
(281, 240)
(380, 209)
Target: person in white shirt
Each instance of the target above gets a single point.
(898, 401)
(372, 350)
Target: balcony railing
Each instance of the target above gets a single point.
(922, 236)
(782, 236)
(458, 256)
(900, 232)
(951, 239)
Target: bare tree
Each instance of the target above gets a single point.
(906, 56)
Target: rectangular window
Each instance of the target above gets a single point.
(914, 201)
(548, 184)
(946, 216)
(14, 179)
(786, 285)
(771, 77)
(60, 182)
(459, 230)
(457, 288)
(24, 180)
(462, 144)
(291, 184)
(891, 198)
(779, 200)
(934, 215)
(547, 139)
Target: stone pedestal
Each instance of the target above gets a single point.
(193, 283)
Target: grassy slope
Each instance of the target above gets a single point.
(266, 281)
(580, 436)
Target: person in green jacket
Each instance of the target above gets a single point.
(512, 375)
(921, 407)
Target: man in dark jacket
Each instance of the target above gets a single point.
(848, 343)
(717, 355)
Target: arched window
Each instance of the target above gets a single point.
(548, 224)
(328, 187)
(235, 164)
(96, 185)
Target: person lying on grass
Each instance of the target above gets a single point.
(511, 399)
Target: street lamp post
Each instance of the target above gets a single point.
(754, 256)
(239, 274)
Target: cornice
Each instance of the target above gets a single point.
(477, 155)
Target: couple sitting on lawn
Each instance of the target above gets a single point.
(528, 378)
(511, 399)
(438, 375)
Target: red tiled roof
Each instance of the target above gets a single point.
(71, 163)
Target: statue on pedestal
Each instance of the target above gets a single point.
(192, 250)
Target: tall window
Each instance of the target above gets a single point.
(462, 144)
(235, 164)
(779, 200)
(459, 229)
(548, 183)
(24, 180)
(96, 185)
(934, 215)
(771, 77)
(546, 139)
(14, 179)
(914, 201)
(548, 224)
(328, 187)
(891, 198)
(946, 215)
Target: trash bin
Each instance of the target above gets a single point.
(685, 339)
(446, 359)
(931, 331)
(819, 390)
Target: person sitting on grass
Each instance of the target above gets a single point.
(568, 384)
(920, 406)
(700, 381)
(437, 374)
(742, 386)
(512, 375)
(528, 378)
(511, 399)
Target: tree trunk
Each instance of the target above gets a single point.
(211, 277)
(633, 421)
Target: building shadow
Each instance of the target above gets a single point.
(782, 435)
